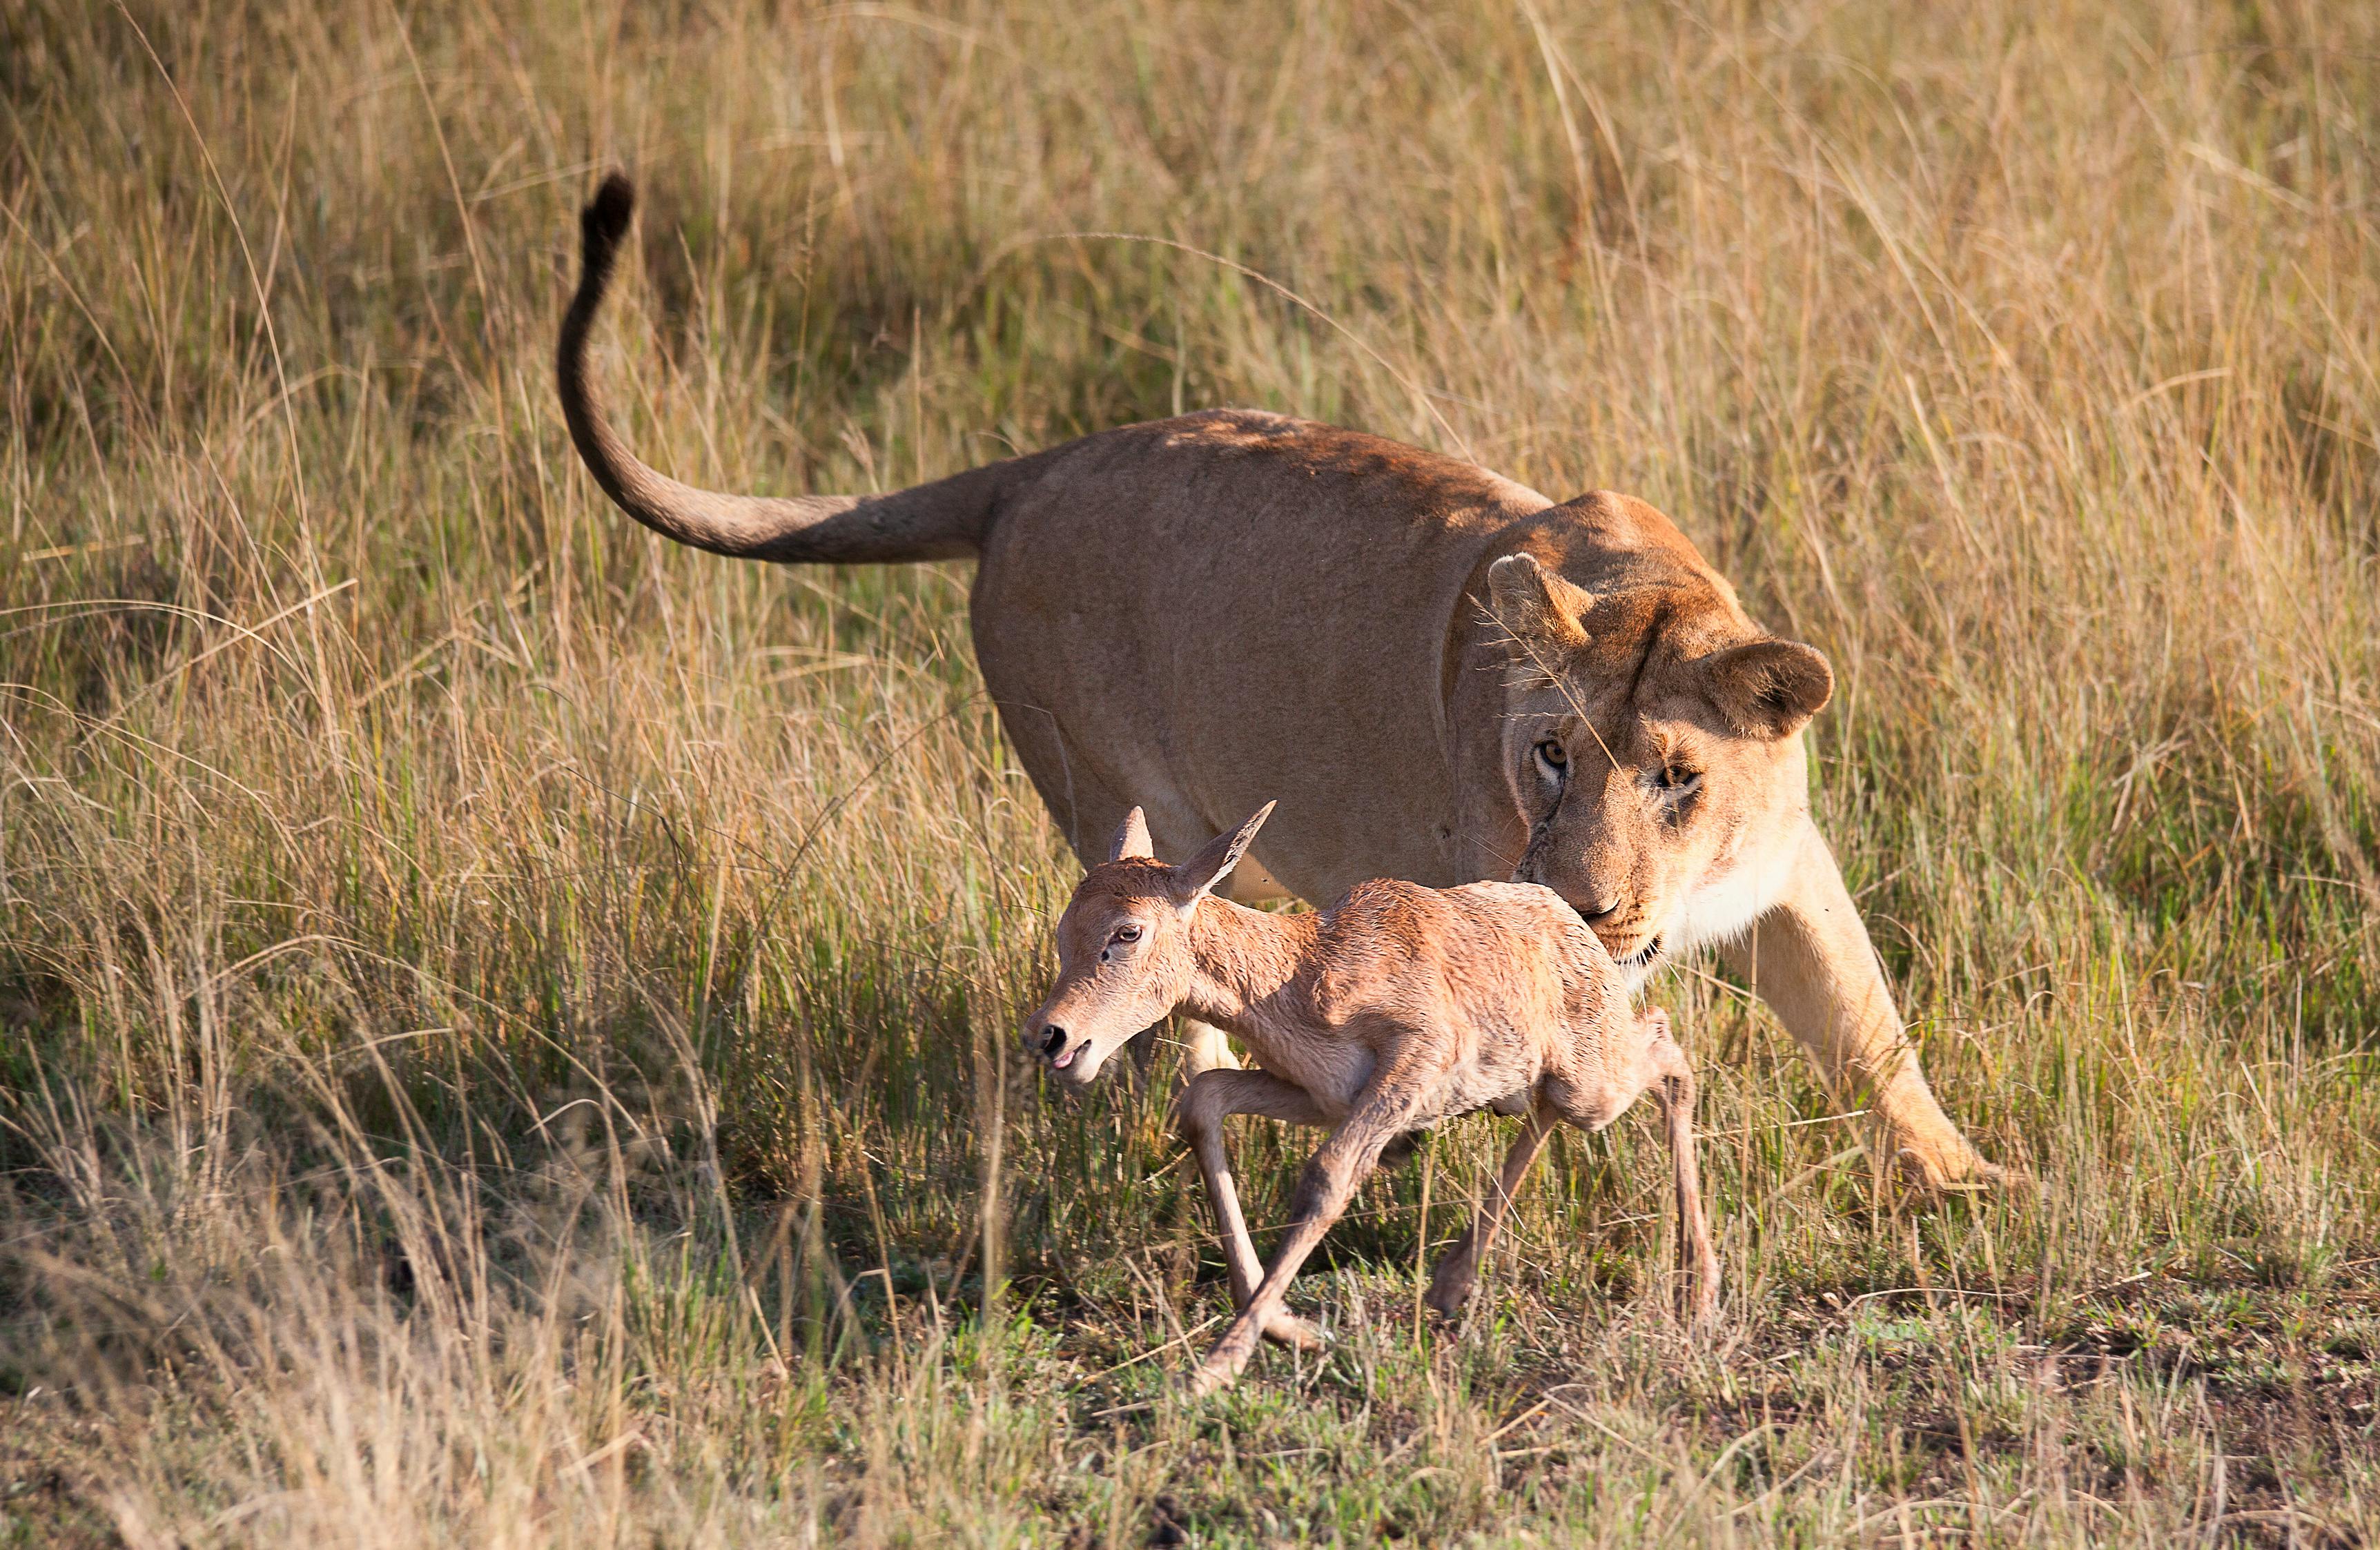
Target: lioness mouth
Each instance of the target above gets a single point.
(1643, 957)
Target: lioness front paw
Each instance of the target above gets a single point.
(1956, 1169)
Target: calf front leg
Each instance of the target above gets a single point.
(1211, 1096)
(1323, 1191)
(1451, 1283)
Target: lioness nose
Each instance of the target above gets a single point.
(1600, 911)
(1053, 1039)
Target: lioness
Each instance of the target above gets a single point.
(1443, 675)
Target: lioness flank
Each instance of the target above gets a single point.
(1445, 676)
(1398, 1006)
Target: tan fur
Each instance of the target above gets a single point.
(1397, 1008)
(1190, 613)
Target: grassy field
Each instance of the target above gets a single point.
(508, 1028)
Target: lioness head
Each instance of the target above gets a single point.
(1650, 743)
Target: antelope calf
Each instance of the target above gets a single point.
(1397, 1008)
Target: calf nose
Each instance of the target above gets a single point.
(1053, 1039)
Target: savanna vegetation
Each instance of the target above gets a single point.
(508, 1028)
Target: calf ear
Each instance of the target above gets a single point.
(1769, 688)
(1538, 610)
(1197, 878)
(1131, 842)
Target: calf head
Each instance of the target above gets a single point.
(1125, 954)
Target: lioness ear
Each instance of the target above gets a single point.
(1770, 687)
(1539, 609)
(1131, 842)
(1198, 876)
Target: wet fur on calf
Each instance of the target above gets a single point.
(1518, 689)
(1398, 1008)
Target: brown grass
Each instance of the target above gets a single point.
(504, 1024)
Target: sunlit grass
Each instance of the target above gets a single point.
(502, 1022)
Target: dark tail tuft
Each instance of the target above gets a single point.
(603, 222)
(943, 520)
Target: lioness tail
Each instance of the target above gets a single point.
(938, 521)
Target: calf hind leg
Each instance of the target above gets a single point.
(1652, 1063)
(1210, 1048)
(1451, 1283)
(1673, 1079)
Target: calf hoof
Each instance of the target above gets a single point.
(1228, 1358)
(1702, 1298)
(1297, 1333)
(1210, 1376)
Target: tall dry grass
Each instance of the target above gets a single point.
(509, 1026)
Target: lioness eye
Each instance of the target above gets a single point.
(1676, 781)
(1551, 755)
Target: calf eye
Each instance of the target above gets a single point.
(1127, 933)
